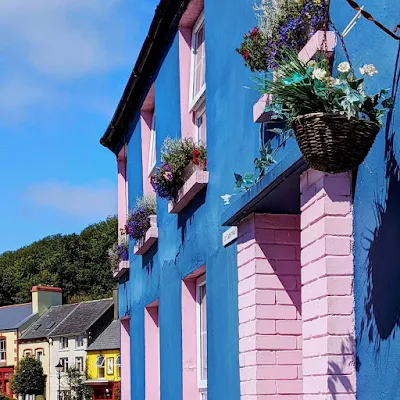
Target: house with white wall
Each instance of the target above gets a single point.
(67, 331)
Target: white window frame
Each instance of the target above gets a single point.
(152, 147)
(202, 111)
(39, 358)
(201, 383)
(101, 366)
(80, 367)
(195, 99)
(3, 352)
(63, 343)
(118, 365)
(79, 339)
(65, 363)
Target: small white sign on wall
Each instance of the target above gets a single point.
(229, 236)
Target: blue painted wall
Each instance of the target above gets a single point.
(194, 237)
(377, 213)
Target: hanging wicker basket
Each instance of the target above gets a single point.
(332, 142)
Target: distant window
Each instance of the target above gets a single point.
(198, 64)
(2, 350)
(79, 364)
(118, 364)
(63, 343)
(79, 341)
(110, 366)
(152, 147)
(200, 122)
(65, 364)
(27, 353)
(100, 366)
(39, 356)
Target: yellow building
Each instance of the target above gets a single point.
(103, 363)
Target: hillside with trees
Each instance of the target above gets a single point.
(77, 263)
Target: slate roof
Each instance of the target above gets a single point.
(68, 319)
(109, 339)
(12, 317)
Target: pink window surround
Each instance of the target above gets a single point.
(189, 335)
(186, 24)
(270, 325)
(327, 286)
(146, 119)
(122, 189)
(125, 359)
(152, 352)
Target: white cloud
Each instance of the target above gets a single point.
(53, 47)
(97, 200)
(64, 38)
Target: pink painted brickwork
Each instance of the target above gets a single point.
(270, 339)
(327, 286)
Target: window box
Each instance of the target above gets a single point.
(151, 237)
(316, 43)
(196, 179)
(123, 268)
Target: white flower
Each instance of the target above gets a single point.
(344, 67)
(334, 82)
(368, 69)
(319, 74)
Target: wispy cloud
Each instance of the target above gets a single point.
(96, 200)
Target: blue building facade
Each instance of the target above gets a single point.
(191, 241)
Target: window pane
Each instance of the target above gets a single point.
(199, 61)
(152, 147)
(201, 124)
(203, 332)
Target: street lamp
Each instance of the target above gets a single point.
(59, 368)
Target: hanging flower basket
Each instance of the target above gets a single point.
(332, 142)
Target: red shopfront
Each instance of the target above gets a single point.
(5, 376)
(105, 390)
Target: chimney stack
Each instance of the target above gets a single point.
(44, 297)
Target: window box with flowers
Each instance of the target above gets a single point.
(142, 224)
(118, 256)
(182, 174)
(295, 25)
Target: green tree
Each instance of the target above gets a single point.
(74, 387)
(29, 377)
(76, 263)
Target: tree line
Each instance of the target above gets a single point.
(77, 263)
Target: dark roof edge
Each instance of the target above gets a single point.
(162, 29)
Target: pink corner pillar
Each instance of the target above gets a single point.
(152, 352)
(270, 323)
(125, 359)
(327, 286)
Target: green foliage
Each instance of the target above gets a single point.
(74, 386)
(309, 88)
(29, 377)
(76, 263)
(147, 202)
(4, 397)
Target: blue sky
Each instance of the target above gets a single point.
(63, 68)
